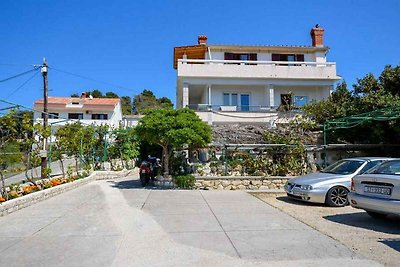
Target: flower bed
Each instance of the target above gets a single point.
(17, 190)
(23, 201)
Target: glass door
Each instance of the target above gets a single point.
(245, 102)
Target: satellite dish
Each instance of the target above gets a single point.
(90, 96)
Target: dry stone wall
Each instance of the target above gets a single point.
(241, 182)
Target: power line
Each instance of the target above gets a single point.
(18, 75)
(16, 65)
(91, 79)
(23, 84)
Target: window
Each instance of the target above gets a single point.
(300, 101)
(226, 99)
(241, 56)
(75, 103)
(99, 117)
(232, 99)
(286, 99)
(370, 165)
(75, 116)
(52, 115)
(289, 58)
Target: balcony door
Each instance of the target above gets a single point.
(245, 102)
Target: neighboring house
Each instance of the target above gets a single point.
(249, 83)
(130, 120)
(87, 110)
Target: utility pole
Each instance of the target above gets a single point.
(43, 153)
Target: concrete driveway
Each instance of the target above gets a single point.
(117, 223)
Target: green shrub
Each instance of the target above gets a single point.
(185, 181)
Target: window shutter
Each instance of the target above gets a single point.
(300, 57)
(275, 57)
(228, 56)
(253, 57)
(283, 57)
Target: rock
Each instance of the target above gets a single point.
(241, 187)
(225, 183)
(266, 182)
(208, 183)
(245, 182)
(220, 187)
(263, 187)
(256, 182)
(236, 182)
(277, 181)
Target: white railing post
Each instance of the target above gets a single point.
(185, 95)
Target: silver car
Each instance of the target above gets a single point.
(378, 191)
(332, 184)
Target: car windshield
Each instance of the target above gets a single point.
(343, 167)
(390, 167)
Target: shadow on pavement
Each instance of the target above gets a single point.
(135, 184)
(392, 243)
(298, 202)
(389, 225)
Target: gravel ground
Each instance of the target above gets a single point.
(375, 239)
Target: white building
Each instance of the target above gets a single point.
(87, 110)
(246, 83)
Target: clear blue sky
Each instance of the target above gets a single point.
(130, 43)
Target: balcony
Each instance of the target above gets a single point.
(256, 69)
(62, 122)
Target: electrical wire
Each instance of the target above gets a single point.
(91, 79)
(22, 85)
(16, 65)
(20, 74)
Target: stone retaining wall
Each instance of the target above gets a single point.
(30, 199)
(241, 182)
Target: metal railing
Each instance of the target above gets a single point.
(229, 108)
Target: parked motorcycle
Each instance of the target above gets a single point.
(144, 173)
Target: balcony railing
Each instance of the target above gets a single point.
(257, 108)
(257, 69)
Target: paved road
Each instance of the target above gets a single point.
(117, 223)
(55, 166)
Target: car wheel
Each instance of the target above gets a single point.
(376, 215)
(337, 197)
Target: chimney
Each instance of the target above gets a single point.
(317, 36)
(202, 39)
(83, 95)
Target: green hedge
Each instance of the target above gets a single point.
(185, 181)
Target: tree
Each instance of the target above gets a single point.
(126, 104)
(111, 95)
(7, 133)
(147, 100)
(172, 130)
(76, 141)
(124, 145)
(95, 93)
(369, 94)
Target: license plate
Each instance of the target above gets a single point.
(378, 190)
